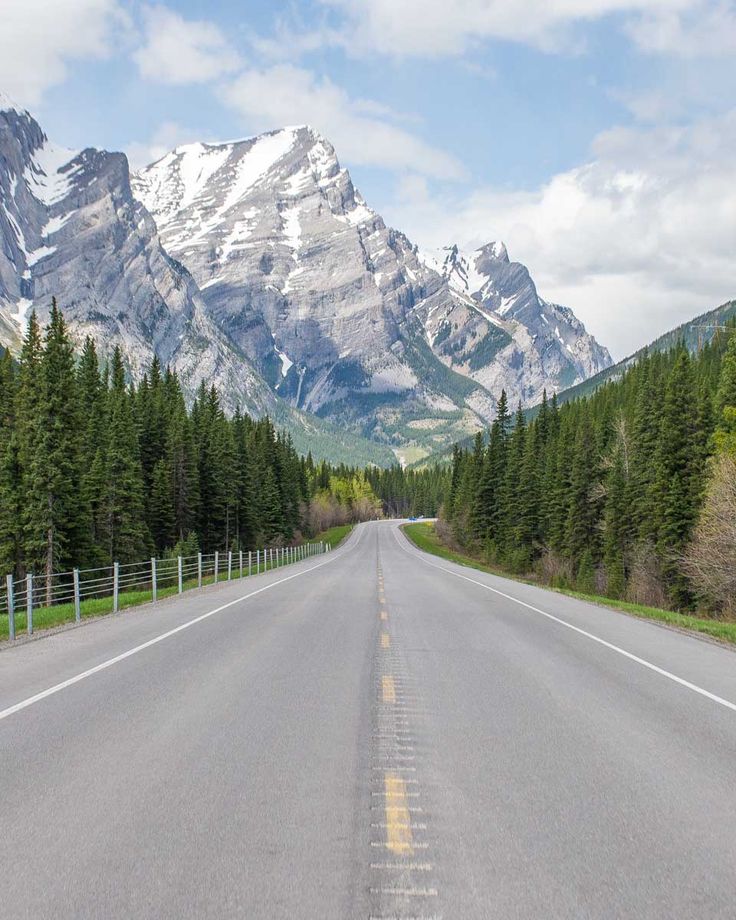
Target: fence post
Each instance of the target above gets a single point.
(250, 561)
(11, 608)
(115, 585)
(77, 604)
(217, 564)
(240, 560)
(199, 570)
(179, 574)
(229, 565)
(154, 586)
(29, 604)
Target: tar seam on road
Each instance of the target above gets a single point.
(609, 645)
(24, 704)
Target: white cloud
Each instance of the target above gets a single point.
(707, 29)
(361, 129)
(636, 241)
(438, 28)
(178, 51)
(38, 39)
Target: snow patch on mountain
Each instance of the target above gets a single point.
(49, 172)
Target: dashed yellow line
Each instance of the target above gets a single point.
(385, 640)
(398, 821)
(384, 615)
(388, 690)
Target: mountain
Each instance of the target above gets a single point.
(257, 266)
(70, 227)
(695, 333)
(531, 345)
(323, 298)
(339, 312)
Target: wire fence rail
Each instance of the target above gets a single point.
(43, 600)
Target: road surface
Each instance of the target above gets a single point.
(375, 733)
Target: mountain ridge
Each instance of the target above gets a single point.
(258, 266)
(332, 306)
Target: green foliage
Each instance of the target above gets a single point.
(94, 469)
(606, 489)
(487, 348)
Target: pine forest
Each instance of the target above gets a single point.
(629, 493)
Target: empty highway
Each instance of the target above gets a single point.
(374, 733)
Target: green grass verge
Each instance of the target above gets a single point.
(57, 615)
(424, 537)
(335, 535)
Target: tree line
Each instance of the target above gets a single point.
(95, 469)
(617, 493)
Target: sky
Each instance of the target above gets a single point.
(596, 138)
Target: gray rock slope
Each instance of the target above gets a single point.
(522, 343)
(339, 312)
(70, 227)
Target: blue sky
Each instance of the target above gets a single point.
(595, 137)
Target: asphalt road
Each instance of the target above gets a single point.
(375, 734)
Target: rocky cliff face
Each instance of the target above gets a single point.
(304, 277)
(502, 333)
(339, 312)
(70, 228)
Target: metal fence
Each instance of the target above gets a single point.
(108, 587)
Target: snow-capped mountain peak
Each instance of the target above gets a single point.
(8, 105)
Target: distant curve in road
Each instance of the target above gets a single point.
(374, 734)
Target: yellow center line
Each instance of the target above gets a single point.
(398, 821)
(388, 689)
(385, 641)
(384, 615)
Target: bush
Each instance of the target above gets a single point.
(710, 560)
(586, 581)
(646, 583)
(553, 569)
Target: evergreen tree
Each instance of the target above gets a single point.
(677, 477)
(126, 533)
(55, 516)
(10, 471)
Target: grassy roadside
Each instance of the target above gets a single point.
(335, 535)
(58, 614)
(424, 537)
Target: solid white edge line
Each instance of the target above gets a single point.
(419, 554)
(103, 665)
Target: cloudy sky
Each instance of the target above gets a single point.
(597, 138)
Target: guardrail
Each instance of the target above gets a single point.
(124, 584)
